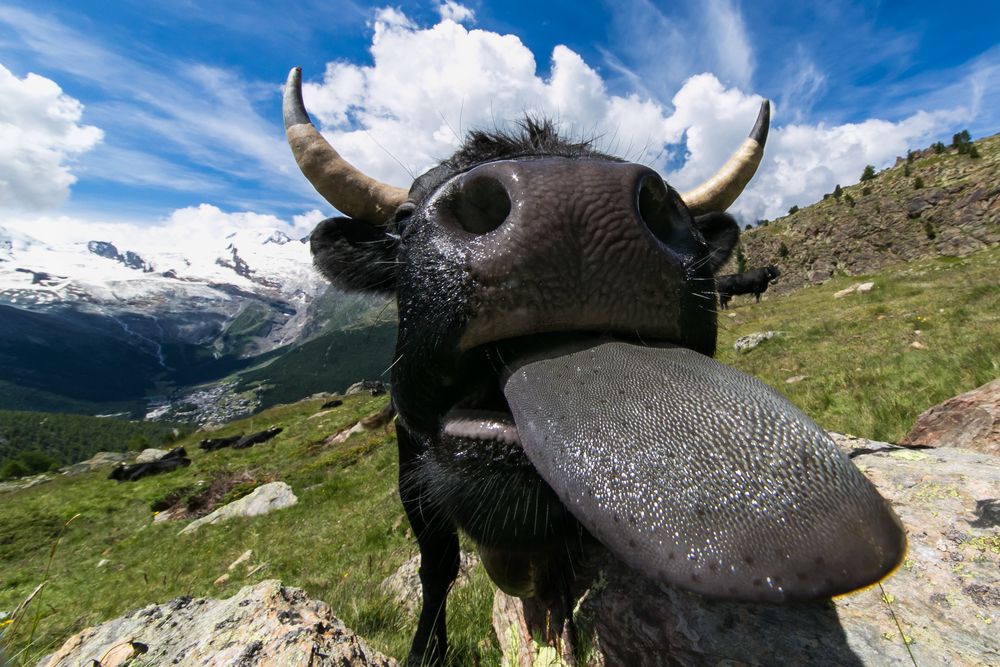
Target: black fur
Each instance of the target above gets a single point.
(431, 268)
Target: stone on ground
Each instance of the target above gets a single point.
(263, 499)
(265, 624)
(970, 420)
(945, 596)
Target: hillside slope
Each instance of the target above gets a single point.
(861, 375)
(886, 220)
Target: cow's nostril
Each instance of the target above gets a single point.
(481, 205)
(655, 207)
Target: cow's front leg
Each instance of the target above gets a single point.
(439, 557)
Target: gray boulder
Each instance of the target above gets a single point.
(750, 341)
(96, 462)
(945, 597)
(150, 455)
(263, 499)
(265, 624)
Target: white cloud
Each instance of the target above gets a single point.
(406, 111)
(40, 135)
(453, 11)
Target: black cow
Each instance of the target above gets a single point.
(130, 472)
(554, 386)
(753, 282)
(211, 444)
(257, 438)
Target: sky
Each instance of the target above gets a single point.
(128, 113)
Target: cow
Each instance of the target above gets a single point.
(554, 386)
(130, 472)
(211, 444)
(753, 282)
(248, 441)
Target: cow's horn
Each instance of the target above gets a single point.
(722, 189)
(351, 192)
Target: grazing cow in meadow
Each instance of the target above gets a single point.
(753, 282)
(130, 472)
(211, 444)
(257, 438)
(553, 382)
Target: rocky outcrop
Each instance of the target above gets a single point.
(942, 605)
(265, 624)
(262, 500)
(970, 420)
(886, 220)
(98, 461)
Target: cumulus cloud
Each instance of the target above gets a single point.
(408, 109)
(40, 136)
(455, 12)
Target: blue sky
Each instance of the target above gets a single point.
(164, 106)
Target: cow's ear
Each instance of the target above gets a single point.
(721, 233)
(355, 256)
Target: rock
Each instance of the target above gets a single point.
(332, 403)
(263, 499)
(95, 462)
(369, 423)
(342, 436)
(150, 455)
(222, 580)
(795, 378)
(265, 624)
(844, 292)
(403, 585)
(864, 288)
(373, 387)
(102, 562)
(946, 594)
(970, 420)
(750, 341)
(917, 345)
(819, 276)
(25, 482)
(239, 561)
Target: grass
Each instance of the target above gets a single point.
(347, 533)
(862, 374)
(342, 538)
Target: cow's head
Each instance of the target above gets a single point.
(772, 273)
(556, 319)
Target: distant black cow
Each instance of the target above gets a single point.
(332, 403)
(172, 460)
(211, 444)
(753, 282)
(257, 438)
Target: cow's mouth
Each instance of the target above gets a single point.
(688, 470)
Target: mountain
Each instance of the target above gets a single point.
(103, 325)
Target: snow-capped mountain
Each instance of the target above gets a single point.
(162, 287)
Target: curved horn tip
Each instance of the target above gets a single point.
(760, 128)
(293, 108)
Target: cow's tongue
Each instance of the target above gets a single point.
(699, 475)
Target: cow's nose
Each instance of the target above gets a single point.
(550, 194)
